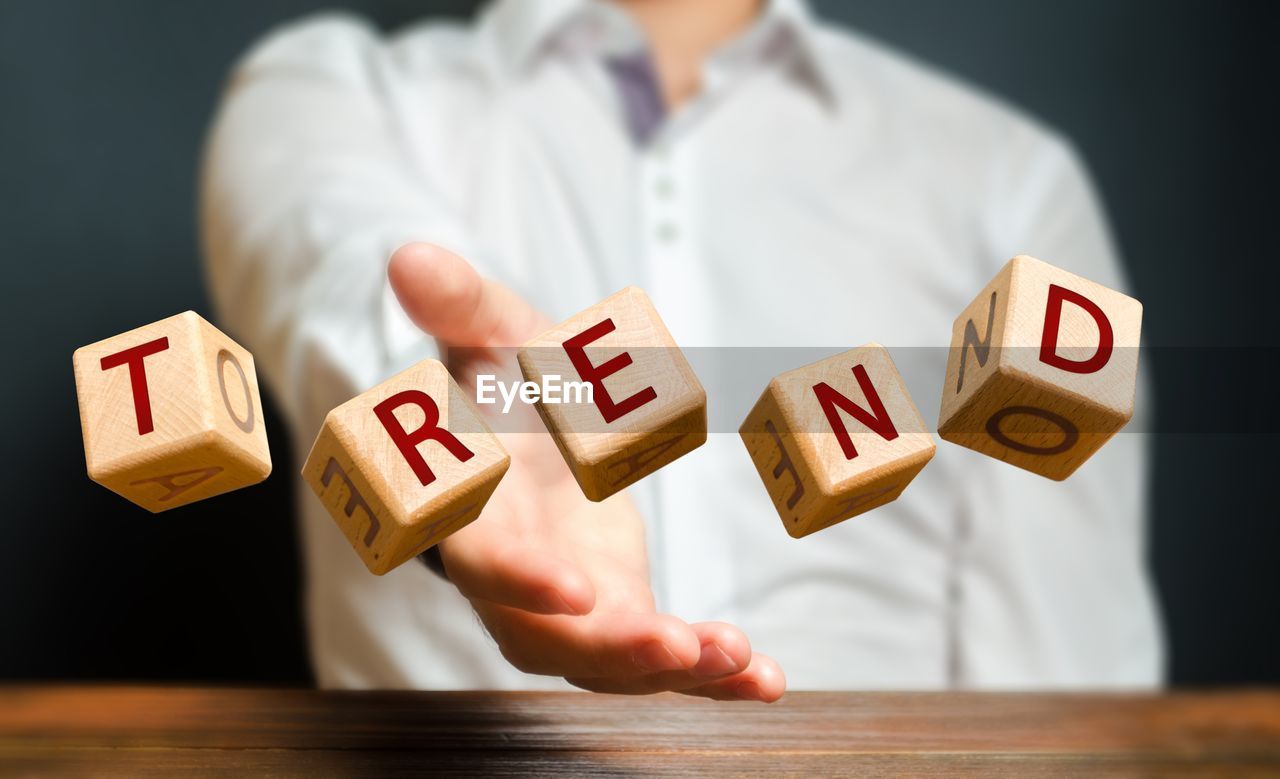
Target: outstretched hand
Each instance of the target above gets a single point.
(561, 583)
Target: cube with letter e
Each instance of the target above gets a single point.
(170, 413)
(404, 465)
(647, 407)
(1043, 368)
(836, 439)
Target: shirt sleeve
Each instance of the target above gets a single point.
(305, 192)
(1055, 587)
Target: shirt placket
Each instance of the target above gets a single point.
(678, 279)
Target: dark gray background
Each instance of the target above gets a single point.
(102, 111)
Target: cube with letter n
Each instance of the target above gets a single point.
(836, 439)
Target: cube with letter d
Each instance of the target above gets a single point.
(404, 465)
(836, 439)
(647, 407)
(1043, 368)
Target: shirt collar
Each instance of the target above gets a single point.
(520, 32)
(799, 21)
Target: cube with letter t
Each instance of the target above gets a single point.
(836, 439)
(404, 465)
(170, 413)
(1043, 368)
(647, 407)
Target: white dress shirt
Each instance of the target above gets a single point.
(819, 193)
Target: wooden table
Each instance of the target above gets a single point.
(130, 731)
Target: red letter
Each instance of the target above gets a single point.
(1052, 319)
(138, 378)
(879, 421)
(596, 374)
(407, 442)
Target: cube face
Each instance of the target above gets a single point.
(836, 439)
(1042, 370)
(648, 407)
(404, 465)
(170, 413)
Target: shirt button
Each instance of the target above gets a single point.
(664, 188)
(667, 233)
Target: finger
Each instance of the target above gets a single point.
(486, 567)
(724, 651)
(449, 300)
(597, 645)
(762, 681)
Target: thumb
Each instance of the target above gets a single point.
(451, 302)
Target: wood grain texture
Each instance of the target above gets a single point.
(607, 455)
(180, 423)
(382, 504)
(1003, 398)
(806, 468)
(111, 731)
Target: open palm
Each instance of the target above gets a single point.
(561, 583)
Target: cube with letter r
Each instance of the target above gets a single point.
(404, 465)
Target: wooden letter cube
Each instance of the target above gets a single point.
(647, 408)
(836, 438)
(170, 413)
(404, 465)
(1043, 368)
